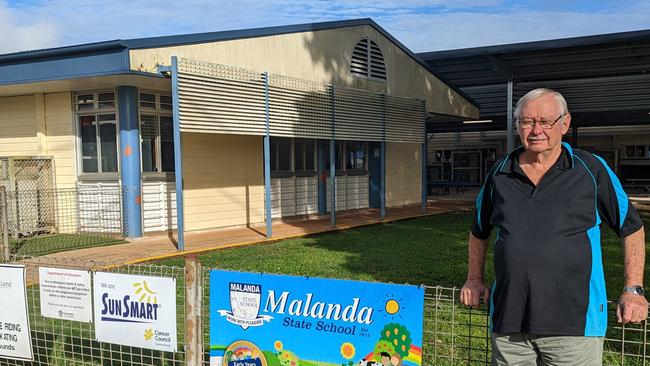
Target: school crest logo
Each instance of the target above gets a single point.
(245, 301)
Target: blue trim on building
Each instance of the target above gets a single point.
(65, 68)
(322, 178)
(130, 170)
(383, 179)
(621, 196)
(178, 156)
(424, 160)
(267, 161)
(333, 163)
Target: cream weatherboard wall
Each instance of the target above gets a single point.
(60, 137)
(403, 174)
(322, 56)
(18, 128)
(223, 181)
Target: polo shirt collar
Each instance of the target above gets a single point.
(511, 162)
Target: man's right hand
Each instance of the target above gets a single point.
(472, 292)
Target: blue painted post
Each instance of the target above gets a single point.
(131, 174)
(267, 161)
(333, 164)
(178, 156)
(382, 158)
(424, 160)
(322, 178)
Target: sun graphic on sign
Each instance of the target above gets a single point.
(148, 334)
(145, 292)
(392, 307)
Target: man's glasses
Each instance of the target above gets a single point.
(530, 123)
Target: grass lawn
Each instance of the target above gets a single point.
(430, 250)
(48, 244)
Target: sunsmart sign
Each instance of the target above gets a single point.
(137, 311)
(260, 319)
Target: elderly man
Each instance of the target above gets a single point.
(546, 202)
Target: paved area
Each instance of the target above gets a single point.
(160, 246)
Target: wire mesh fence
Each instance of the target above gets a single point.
(66, 342)
(453, 334)
(45, 221)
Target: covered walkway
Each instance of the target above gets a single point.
(161, 246)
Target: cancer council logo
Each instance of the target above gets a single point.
(141, 306)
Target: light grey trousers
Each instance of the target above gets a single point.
(524, 349)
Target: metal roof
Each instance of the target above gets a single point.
(115, 47)
(605, 78)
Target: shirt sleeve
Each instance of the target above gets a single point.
(614, 205)
(482, 226)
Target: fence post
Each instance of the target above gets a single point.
(193, 332)
(3, 223)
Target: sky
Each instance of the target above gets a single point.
(422, 25)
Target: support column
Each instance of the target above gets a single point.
(178, 157)
(424, 160)
(333, 165)
(267, 162)
(322, 177)
(131, 174)
(382, 157)
(509, 127)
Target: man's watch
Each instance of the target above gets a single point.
(636, 289)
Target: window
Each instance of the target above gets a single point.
(637, 151)
(304, 155)
(367, 61)
(156, 131)
(338, 155)
(90, 101)
(98, 143)
(97, 122)
(292, 155)
(355, 155)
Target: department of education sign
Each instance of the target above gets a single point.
(263, 319)
(15, 335)
(138, 311)
(65, 294)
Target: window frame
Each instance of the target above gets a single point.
(292, 171)
(157, 111)
(96, 111)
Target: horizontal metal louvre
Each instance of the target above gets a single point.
(299, 108)
(220, 99)
(227, 100)
(404, 120)
(358, 115)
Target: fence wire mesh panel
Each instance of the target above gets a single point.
(46, 221)
(457, 335)
(63, 342)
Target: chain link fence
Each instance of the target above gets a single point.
(453, 333)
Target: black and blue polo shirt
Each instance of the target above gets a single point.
(548, 268)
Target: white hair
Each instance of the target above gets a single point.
(538, 93)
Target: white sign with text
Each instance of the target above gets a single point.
(134, 310)
(65, 294)
(15, 336)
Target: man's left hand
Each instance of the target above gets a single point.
(631, 308)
